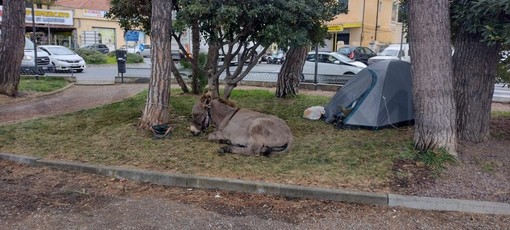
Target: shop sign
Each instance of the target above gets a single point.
(335, 28)
(50, 17)
(94, 13)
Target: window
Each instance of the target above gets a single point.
(394, 12)
(345, 3)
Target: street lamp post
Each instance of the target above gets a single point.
(35, 39)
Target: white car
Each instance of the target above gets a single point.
(332, 64)
(63, 58)
(393, 51)
(142, 50)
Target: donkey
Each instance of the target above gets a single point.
(244, 131)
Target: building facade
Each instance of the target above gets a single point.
(76, 23)
(370, 23)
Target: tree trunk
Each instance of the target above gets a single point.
(158, 97)
(241, 71)
(474, 66)
(290, 73)
(178, 77)
(197, 73)
(11, 46)
(432, 73)
(213, 83)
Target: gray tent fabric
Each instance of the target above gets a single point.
(380, 95)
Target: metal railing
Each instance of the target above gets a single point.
(41, 71)
(253, 76)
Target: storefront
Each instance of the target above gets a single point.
(52, 27)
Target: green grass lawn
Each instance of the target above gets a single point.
(43, 84)
(320, 156)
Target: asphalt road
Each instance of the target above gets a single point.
(261, 72)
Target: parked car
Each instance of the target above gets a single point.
(357, 53)
(177, 55)
(276, 58)
(64, 59)
(28, 62)
(331, 64)
(393, 51)
(141, 49)
(98, 47)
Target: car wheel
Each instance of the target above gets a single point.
(79, 70)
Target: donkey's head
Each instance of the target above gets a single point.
(201, 115)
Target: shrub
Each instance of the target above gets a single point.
(134, 58)
(91, 56)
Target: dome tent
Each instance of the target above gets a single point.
(378, 96)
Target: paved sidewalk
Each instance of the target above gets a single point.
(75, 98)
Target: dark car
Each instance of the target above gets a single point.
(357, 53)
(102, 48)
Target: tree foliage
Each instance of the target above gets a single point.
(488, 18)
(235, 29)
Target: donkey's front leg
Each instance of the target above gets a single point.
(250, 150)
(216, 136)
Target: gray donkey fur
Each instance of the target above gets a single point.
(244, 131)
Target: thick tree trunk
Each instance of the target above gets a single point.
(197, 73)
(435, 109)
(11, 46)
(290, 73)
(158, 97)
(474, 66)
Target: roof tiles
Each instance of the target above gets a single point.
(85, 4)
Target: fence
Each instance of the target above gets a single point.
(40, 71)
(253, 76)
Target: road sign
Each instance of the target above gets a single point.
(132, 36)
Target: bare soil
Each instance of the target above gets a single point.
(482, 173)
(43, 198)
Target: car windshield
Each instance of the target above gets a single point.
(389, 52)
(60, 51)
(341, 57)
(344, 50)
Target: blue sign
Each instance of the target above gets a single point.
(132, 36)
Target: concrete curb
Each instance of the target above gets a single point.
(44, 94)
(200, 182)
(444, 204)
(27, 160)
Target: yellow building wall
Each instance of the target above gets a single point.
(89, 20)
(361, 21)
(88, 23)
